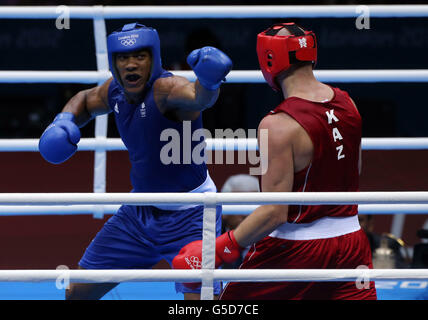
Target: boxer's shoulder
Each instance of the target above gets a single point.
(165, 84)
(279, 124)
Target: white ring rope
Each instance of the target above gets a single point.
(249, 144)
(230, 12)
(26, 210)
(249, 198)
(96, 276)
(235, 76)
(86, 77)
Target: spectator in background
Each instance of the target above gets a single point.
(230, 108)
(237, 183)
(383, 241)
(425, 227)
(420, 250)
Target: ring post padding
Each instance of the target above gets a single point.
(208, 249)
(101, 122)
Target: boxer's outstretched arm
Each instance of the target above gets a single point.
(186, 99)
(87, 104)
(265, 219)
(278, 178)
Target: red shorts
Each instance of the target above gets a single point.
(347, 251)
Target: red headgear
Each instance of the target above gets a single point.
(278, 53)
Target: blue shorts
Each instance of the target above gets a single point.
(138, 237)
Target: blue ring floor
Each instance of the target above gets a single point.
(387, 290)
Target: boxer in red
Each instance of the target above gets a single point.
(314, 144)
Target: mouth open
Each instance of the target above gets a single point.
(132, 79)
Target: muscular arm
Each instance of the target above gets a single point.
(278, 178)
(87, 104)
(183, 98)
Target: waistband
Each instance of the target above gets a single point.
(207, 186)
(327, 227)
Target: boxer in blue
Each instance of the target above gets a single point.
(145, 100)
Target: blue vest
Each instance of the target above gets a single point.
(140, 126)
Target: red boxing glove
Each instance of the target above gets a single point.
(226, 249)
(190, 256)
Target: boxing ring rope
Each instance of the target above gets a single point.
(231, 198)
(99, 13)
(210, 200)
(242, 203)
(214, 12)
(99, 276)
(99, 201)
(235, 76)
(228, 144)
(27, 210)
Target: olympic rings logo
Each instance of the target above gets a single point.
(193, 262)
(128, 42)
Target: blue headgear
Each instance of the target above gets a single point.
(132, 37)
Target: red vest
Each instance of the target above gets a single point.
(335, 130)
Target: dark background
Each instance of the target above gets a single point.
(387, 109)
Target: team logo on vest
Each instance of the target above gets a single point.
(303, 43)
(116, 108)
(337, 137)
(143, 110)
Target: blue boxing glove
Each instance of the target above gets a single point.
(210, 66)
(59, 141)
